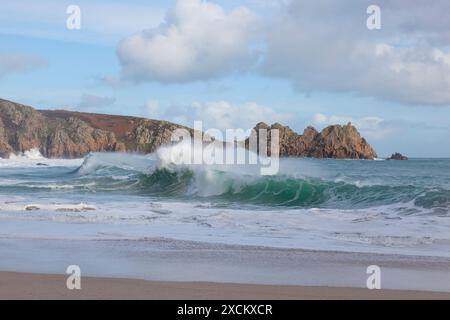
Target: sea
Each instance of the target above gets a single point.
(380, 206)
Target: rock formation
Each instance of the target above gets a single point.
(67, 134)
(340, 142)
(398, 156)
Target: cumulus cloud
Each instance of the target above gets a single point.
(199, 40)
(93, 102)
(372, 127)
(371, 122)
(317, 45)
(324, 45)
(19, 63)
(217, 114)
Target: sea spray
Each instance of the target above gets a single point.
(370, 206)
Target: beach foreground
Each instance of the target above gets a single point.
(39, 286)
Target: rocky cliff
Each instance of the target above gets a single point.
(67, 134)
(336, 141)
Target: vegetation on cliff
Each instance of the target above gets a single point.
(68, 134)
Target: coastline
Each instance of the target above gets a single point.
(209, 265)
(24, 286)
(110, 233)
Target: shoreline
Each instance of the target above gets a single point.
(175, 261)
(24, 286)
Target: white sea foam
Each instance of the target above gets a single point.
(32, 154)
(384, 229)
(126, 161)
(33, 158)
(363, 225)
(11, 206)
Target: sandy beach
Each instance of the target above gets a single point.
(39, 286)
(199, 269)
(212, 150)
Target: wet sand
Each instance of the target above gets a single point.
(40, 286)
(173, 269)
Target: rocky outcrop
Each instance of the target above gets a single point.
(5, 148)
(20, 128)
(341, 142)
(73, 137)
(67, 134)
(133, 133)
(398, 156)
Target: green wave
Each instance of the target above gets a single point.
(279, 190)
(227, 188)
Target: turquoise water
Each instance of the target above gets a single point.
(301, 183)
(394, 206)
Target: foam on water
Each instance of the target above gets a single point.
(388, 229)
(33, 158)
(367, 206)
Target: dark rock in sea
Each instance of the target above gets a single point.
(42, 164)
(398, 156)
(68, 134)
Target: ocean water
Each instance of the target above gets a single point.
(397, 207)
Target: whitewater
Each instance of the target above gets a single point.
(395, 207)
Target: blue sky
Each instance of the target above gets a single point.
(234, 63)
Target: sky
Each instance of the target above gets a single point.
(234, 63)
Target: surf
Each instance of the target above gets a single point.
(301, 183)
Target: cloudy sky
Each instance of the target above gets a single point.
(233, 63)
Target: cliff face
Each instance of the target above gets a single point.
(340, 142)
(130, 133)
(66, 134)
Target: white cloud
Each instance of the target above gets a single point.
(19, 63)
(320, 119)
(371, 122)
(217, 114)
(223, 115)
(270, 4)
(198, 41)
(371, 127)
(414, 138)
(317, 45)
(325, 46)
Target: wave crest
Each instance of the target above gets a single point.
(299, 183)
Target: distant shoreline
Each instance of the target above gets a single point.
(69, 134)
(22, 155)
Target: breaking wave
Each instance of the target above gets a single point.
(370, 206)
(299, 183)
